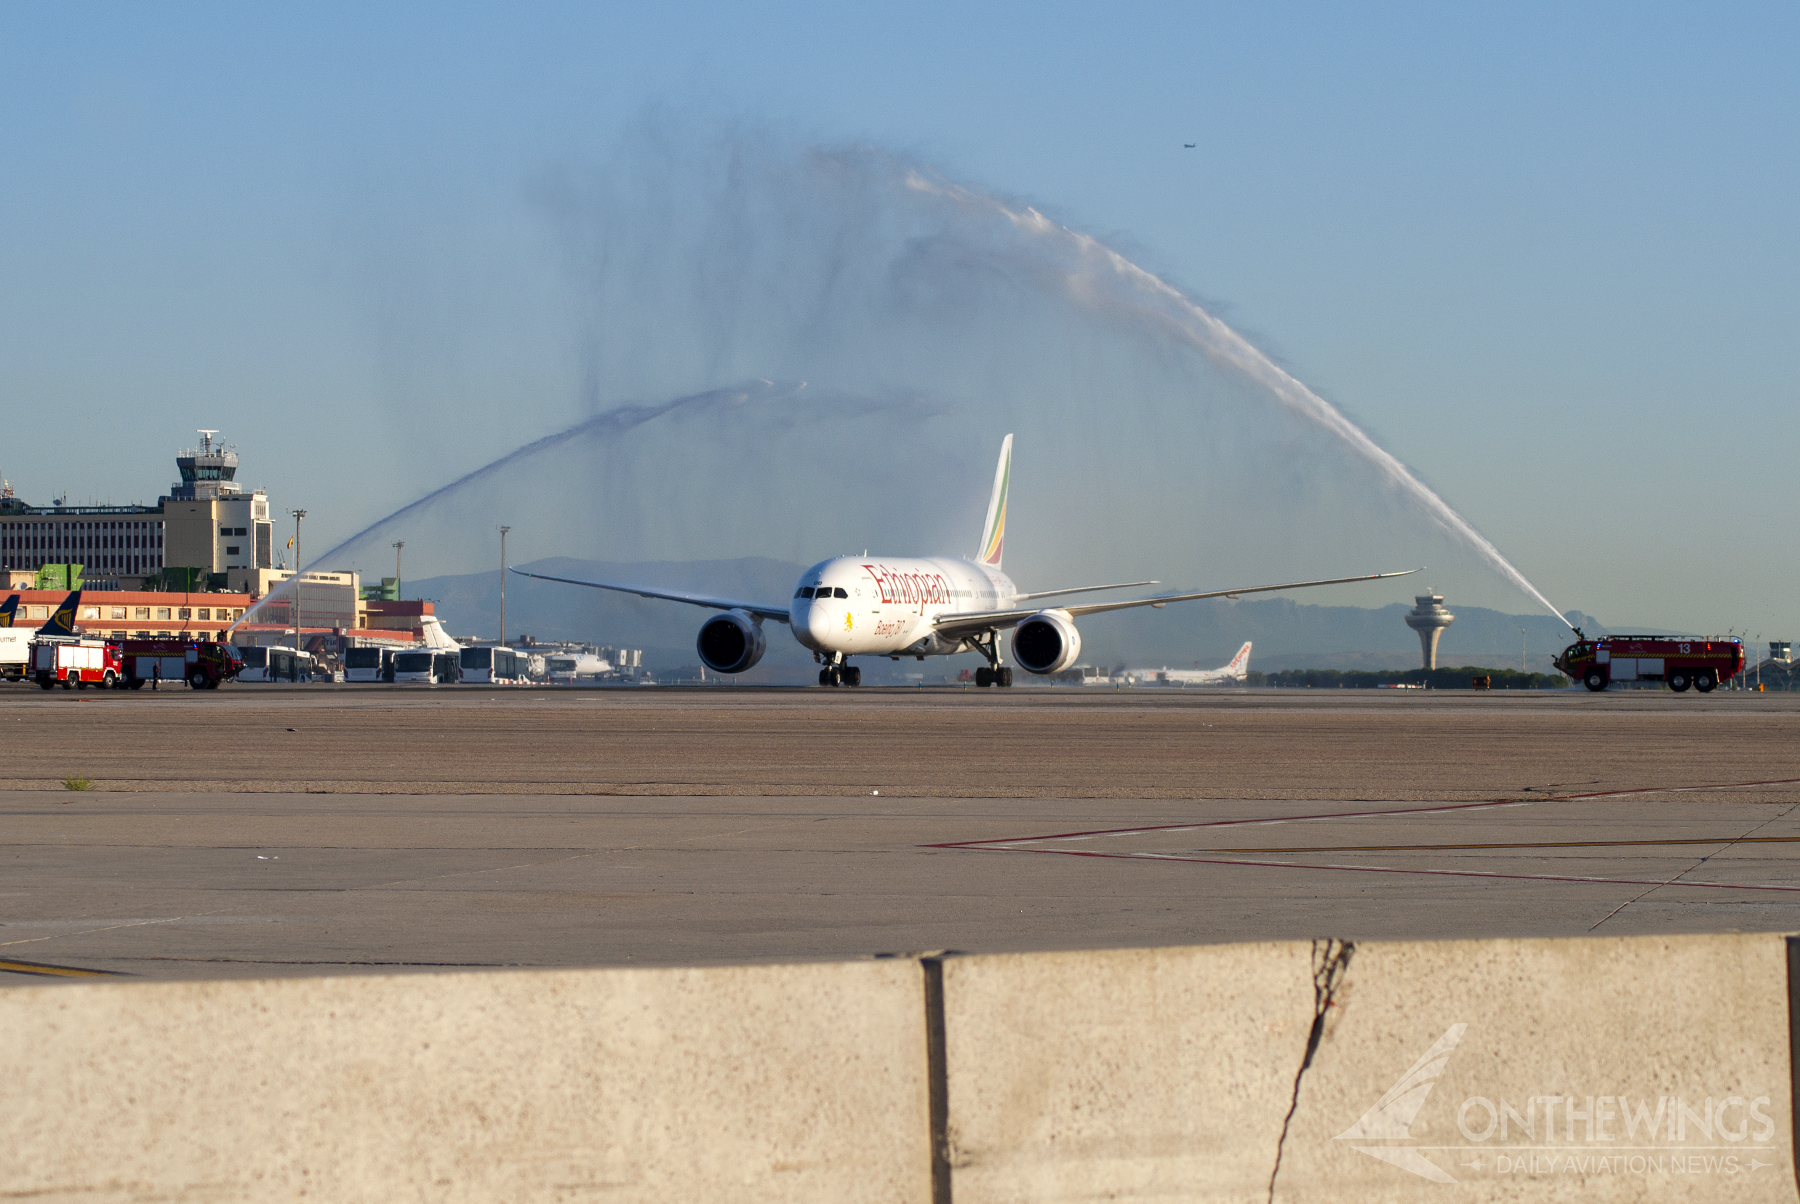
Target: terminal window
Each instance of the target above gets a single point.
(143, 635)
(162, 612)
(118, 635)
(232, 550)
(205, 613)
(143, 612)
(118, 612)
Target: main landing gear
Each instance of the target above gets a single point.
(995, 674)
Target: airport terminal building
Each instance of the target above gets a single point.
(207, 523)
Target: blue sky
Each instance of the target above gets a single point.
(1545, 255)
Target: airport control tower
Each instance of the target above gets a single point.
(208, 471)
(1429, 618)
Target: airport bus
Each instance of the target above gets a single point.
(430, 666)
(275, 664)
(492, 666)
(569, 667)
(369, 664)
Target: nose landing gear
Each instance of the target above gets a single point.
(840, 675)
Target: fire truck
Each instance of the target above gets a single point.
(1702, 664)
(201, 664)
(75, 663)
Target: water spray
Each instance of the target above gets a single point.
(1152, 299)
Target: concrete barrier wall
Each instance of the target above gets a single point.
(732, 1084)
(1643, 1068)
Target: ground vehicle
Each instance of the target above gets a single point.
(492, 665)
(275, 664)
(81, 663)
(1681, 663)
(202, 665)
(568, 667)
(15, 651)
(369, 664)
(430, 665)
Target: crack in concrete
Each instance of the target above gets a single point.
(1330, 962)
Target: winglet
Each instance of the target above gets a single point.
(63, 621)
(993, 532)
(7, 609)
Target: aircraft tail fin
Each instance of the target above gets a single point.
(1240, 664)
(8, 609)
(62, 621)
(993, 532)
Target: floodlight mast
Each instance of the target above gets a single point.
(503, 531)
(299, 636)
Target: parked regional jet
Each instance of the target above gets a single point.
(1228, 674)
(877, 606)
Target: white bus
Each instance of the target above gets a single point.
(275, 664)
(566, 668)
(430, 666)
(369, 664)
(492, 665)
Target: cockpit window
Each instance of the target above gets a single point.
(838, 592)
(804, 591)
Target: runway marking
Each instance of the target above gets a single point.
(1538, 844)
(44, 969)
(1001, 843)
(1385, 869)
(1025, 844)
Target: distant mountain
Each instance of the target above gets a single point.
(1287, 634)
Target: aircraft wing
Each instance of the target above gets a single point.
(1082, 589)
(970, 622)
(646, 591)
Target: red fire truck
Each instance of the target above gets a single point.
(1701, 664)
(75, 663)
(201, 664)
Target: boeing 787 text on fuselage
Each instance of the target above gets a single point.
(895, 607)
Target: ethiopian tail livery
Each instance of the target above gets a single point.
(888, 606)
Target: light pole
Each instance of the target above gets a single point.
(503, 531)
(299, 639)
(398, 544)
(1521, 650)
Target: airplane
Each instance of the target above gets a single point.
(1230, 673)
(8, 609)
(62, 619)
(898, 607)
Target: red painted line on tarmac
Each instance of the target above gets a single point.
(1229, 823)
(1676, 789)
(1378, 869)
(998, 844)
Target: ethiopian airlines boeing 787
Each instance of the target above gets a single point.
(880, 606)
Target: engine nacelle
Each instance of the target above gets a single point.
(1047, 642)
(731, 643)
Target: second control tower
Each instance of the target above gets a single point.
(1429, 618)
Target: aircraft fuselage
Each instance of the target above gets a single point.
(878, 606)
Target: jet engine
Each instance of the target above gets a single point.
(1047, 642)
(731, 643)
